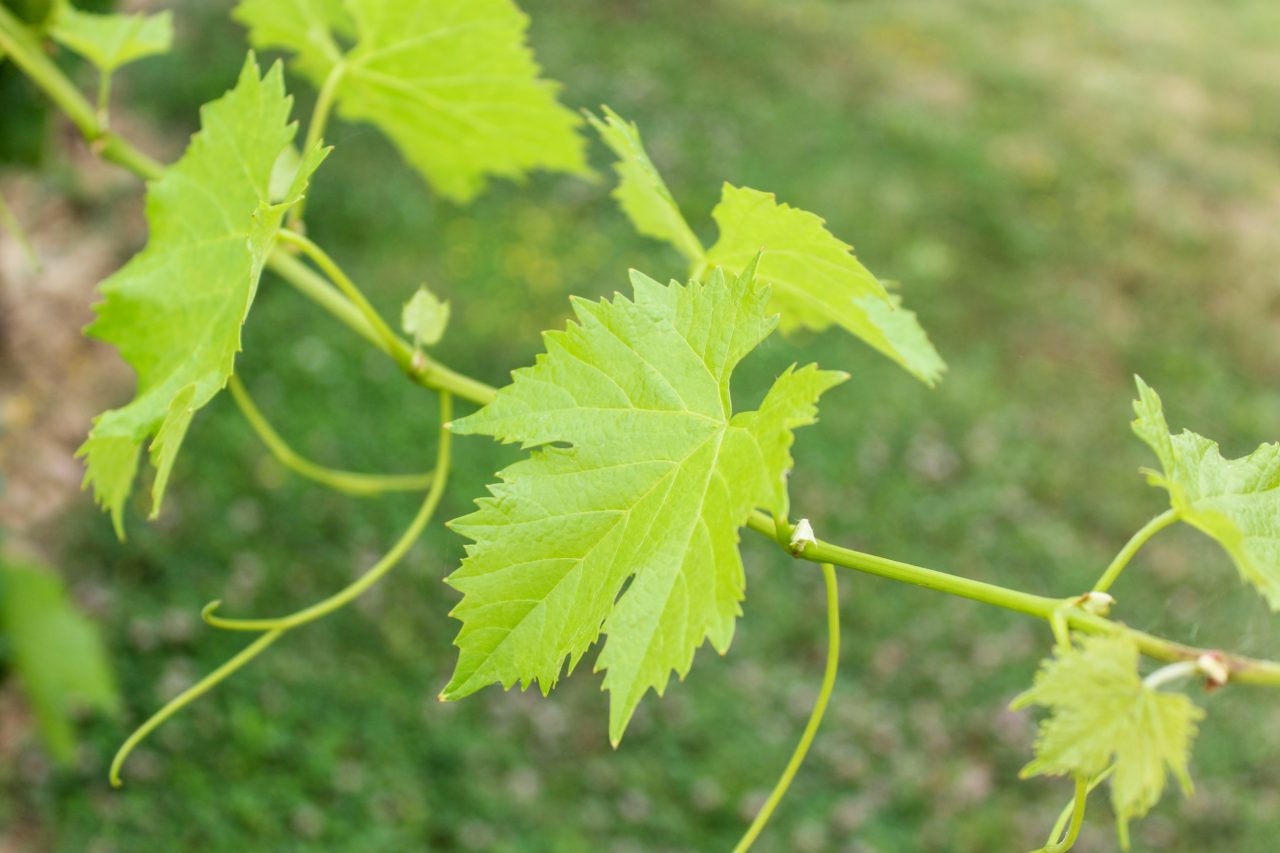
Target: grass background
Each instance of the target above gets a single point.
(1069, 192)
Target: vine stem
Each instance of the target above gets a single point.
(1077, 807)
(1167, 674)
(1243, 669)
(348, 482)
(1074, 813)
(425, 371)
(389, 560)
(279, 627)
(1135, 543)
(18, 43)
(815, 717)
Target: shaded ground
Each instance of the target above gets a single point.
(1069, 194)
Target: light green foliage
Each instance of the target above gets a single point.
(55, 652)
(306, 27)
(175, 310)
(452, 83)
(641, 472)
(641, 192)
(1101, 712)
(110, 41)
(425, 317)
(817, 282)
(1235, 501)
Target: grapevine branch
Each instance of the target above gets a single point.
(18, 43)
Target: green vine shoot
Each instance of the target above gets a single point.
(616, 533)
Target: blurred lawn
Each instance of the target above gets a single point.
(1069, 192)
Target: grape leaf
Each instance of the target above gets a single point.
(452, 83)
(641, 192)
(1101, 712)
(816, 280)
(1234, 501)
(175, 310)
(642, 473)
(110, 41)
(56, 653)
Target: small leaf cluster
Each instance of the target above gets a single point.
(1104, 716)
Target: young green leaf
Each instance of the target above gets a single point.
(56, 653)
(641, 192)
(1235, 501)
(110, 41)
(642, 473)
(175, 310)
(425, 317)
(816, 280)
(452, 83)
(1101, 712)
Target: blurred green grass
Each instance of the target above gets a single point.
(1069, 193)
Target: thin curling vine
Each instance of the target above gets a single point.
(623, 519)
(274, 629)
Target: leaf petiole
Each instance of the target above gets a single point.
(1166, 674)
(1058, 623)
(1135, 543)
(343, 282)
(315, 128)
(1073, 813)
